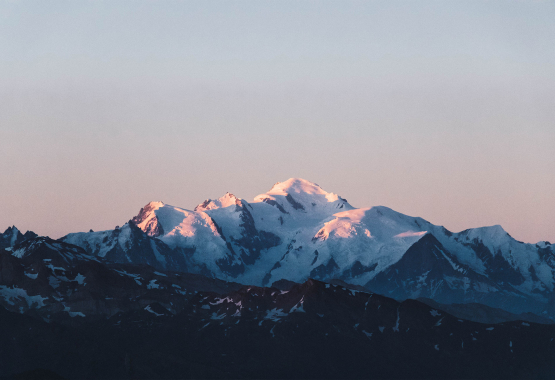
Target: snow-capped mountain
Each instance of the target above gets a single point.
(129, 244)
(234, 218)
(175, 293)
(429, 270)
(207, 249)
(297, 231)
(66, 310)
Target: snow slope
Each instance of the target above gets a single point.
(129, 244)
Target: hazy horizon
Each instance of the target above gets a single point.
(441, 110)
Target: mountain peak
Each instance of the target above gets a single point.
(11, 230)
(146, 219)
(154, 205)
(296, 185)
(10, 237)
(211, 204)
(302, 195)
(488, 232)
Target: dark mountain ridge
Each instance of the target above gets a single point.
(80, 316)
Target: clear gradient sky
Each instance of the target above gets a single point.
(438, 109)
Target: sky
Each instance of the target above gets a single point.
(438, 109)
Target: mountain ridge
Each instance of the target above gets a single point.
(65, 310)
(297, 230)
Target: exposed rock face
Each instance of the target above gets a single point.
(325, 271)
(149, 223)
(247, 239)
(429, 270)
(13, 236)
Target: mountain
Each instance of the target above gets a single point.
(313, 330)
(67, 311)
(136, 323)
(297, 231)
(235, 220)
(195, 232)
(129, 244)
(13, 236)
(429, 270)
(57, 280)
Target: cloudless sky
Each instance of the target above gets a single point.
(438, 109)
